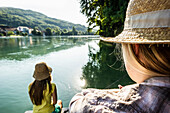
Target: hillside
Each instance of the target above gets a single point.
(15, 17)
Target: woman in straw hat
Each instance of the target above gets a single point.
(145, 44)
(42, 90)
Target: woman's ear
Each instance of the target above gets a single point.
(136, 49)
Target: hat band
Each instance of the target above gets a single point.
(154, 19)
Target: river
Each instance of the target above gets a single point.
(77, 63)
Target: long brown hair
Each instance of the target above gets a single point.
(37, 88)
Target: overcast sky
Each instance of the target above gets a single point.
(68, 10)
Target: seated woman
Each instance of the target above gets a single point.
(42, 90)
(145, 44)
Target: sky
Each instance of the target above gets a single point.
(68, 10)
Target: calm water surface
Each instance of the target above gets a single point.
(77, 63)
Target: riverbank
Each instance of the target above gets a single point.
(12, 36)
(69, 36)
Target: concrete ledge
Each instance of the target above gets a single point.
(64, 110)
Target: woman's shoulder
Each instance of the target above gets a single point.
(29, 86)
(53, 84)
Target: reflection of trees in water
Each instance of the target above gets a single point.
(22, 48)
(99, 71)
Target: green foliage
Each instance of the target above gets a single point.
(109, 15)
(57, 31)
(9, 33)
(17, 17)
(1, 34)
(103, 69)
(18, 32)
(64, 32)
(48, 31)
(36, 31)
(74, 31)
(24, 34)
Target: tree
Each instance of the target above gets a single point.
(109, 15)
(24, 34)
(10, 33)
(34, 32)
(18, 32)
(57, 31)
(74, 31)
(64, 32)
(48, 31)
(1, 34)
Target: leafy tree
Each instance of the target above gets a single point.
(1, 34)
(74, 31)
(18, 32)
(64, 32)
(57, 31)
(24, 34)
(36, 31)
(108, 15)
(48, 31)
(10, 33)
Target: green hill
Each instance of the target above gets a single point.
(15, 17)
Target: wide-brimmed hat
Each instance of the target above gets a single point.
(42, 71)
(147, 22)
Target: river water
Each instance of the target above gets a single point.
(77, 63)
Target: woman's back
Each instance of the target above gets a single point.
(46, 105)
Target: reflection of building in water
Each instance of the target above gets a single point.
(26, 47)
(19, 42)
(30, 38)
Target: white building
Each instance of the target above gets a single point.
(25, 29)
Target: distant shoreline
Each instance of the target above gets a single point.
(12, 36)
(69, 36)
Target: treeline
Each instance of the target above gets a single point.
(57, 31)
(108, 15)
(15, 17)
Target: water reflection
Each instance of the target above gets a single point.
(18, 57)
(22, 48)
(80, 56)
(98, 72)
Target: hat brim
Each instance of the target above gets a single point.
(141, 36)
(114, 40)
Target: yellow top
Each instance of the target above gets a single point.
(46, 106)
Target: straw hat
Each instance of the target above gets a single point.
(42, 71)
(147, 22)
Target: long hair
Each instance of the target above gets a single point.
(155, 59)
(37, 88)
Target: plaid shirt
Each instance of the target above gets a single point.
(151, 96)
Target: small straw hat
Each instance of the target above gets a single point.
(42, 71)
(147, 22)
